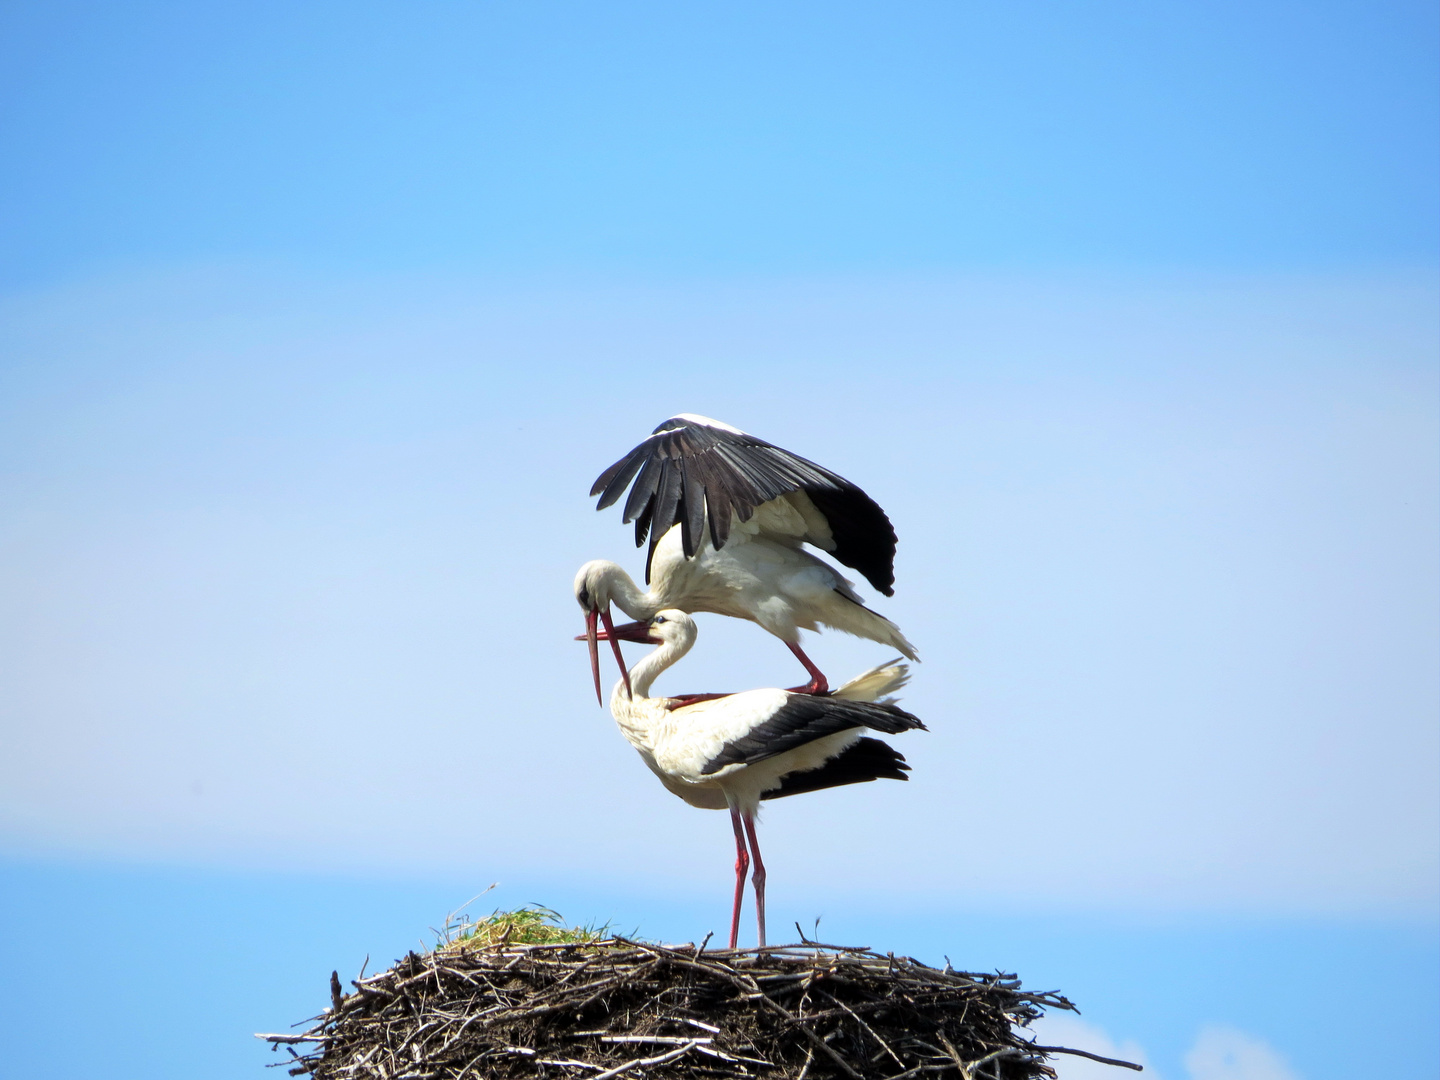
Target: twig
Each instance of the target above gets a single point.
(657, 1060)
(1087, 1054)
(885, 1045)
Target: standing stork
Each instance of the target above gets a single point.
(733, 751)
(761, 504)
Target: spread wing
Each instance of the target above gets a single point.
(693, 468)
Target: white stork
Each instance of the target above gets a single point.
(733, 750)
(762, 503)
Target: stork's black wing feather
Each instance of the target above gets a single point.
(859, 763)
(803, 719)
(690, 469)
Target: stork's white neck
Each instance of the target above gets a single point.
(627, 596)
(650, 667)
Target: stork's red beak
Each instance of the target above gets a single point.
(610, 635)
(631, 631)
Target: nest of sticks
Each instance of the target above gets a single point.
(616, 1009)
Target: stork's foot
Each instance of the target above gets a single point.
(679, 701)
(816, 686)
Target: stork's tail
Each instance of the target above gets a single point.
(877, 684)
(853, 617)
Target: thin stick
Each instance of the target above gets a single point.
(1087, 1054)
(660, 1059)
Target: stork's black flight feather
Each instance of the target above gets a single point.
(803, 719)
(858, 763)
(691, 469)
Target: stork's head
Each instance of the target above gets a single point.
(592, 593)
(670, 627)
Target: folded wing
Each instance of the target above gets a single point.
(803, 719)
(859, 763)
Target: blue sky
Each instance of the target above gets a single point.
(735, 138)
(316, 323)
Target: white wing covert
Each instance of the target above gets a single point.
(761, 724)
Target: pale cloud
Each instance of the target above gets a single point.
(266, 546)
(1059, 1029)
(1220, 1053)
(1224, 1053)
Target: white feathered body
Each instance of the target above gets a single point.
(761, 574)
(676, 744)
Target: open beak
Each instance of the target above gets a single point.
(612, 634)
(638, 632)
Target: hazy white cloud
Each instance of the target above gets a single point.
(1061, 1029)
(1225, 1053)
(284, 579)
(1220, 1053)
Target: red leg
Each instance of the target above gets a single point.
(758, 878)
(817, 683)
(742, 864)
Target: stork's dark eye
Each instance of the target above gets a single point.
(584, 596)
(659, 619)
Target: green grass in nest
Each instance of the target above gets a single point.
(529, 925)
